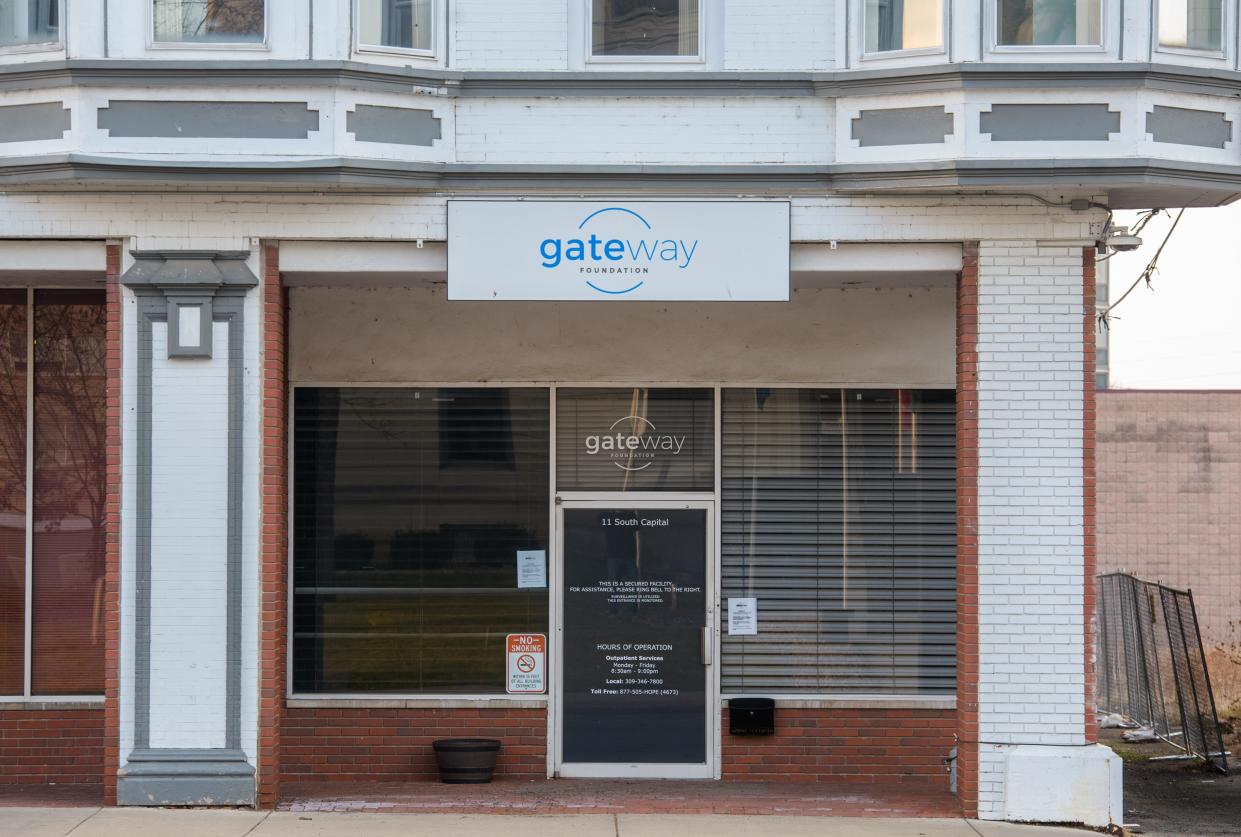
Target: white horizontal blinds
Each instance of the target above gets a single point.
(409, 508)
(838, 515)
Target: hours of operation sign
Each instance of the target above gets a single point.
(527, 664)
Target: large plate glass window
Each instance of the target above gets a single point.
(210, 21)
(1049, 23)
(635, 439)
(395, 24)
(895, 25)
(839, 519)
(409, 509)
(29, 22)
(1191, 24)
(644, 28)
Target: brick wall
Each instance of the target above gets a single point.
(851, 745)
(1169, 507)
(395, 744)
(52, 746)
(112, 531)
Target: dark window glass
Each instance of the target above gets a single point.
(644, 28)
(635, 439)
(13, 339)
(209, 21)
(67, 642)
(409, 508)
(839, 516)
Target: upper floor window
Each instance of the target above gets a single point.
(1191, 24)
(1049, 23)
(209, 21)
(645, 29)
(395, 24)
(24, 22)
(893, 25)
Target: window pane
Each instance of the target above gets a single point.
(1191, 24)
(644, 27)
(1049, 22)
(13, 340)
(395, 23)
(29, 22)
(208, 21)
(409, 508)
(67, 641)
(839, 515)
(903, 24)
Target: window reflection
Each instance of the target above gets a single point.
(1191, 24)
(405, 24)
(1049, 22)
(903, 24)
(209, 21)
(644, 28)
(29, 22)
(13, 340)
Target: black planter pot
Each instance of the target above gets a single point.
(466, 761)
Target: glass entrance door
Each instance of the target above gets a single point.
(636, 639)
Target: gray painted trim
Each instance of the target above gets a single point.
(26, 123)
(213, 120)
(361, 76)
(172, 776)
(190, 269)
(202, 302)
(400, 126)
(1203, 128)
(902, 126)
(1049, 123)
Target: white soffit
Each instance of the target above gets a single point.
(403, 263)
(50, 262)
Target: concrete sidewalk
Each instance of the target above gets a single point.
(127, 822)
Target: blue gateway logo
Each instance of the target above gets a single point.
(619, 254)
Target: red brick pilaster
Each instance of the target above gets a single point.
(112, 529)
(274, 551)
(1089, 555)
(967, 531)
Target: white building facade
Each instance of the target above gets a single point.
(299, 280)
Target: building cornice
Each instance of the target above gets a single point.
(356, 75)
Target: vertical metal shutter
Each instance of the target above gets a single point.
(838, 514)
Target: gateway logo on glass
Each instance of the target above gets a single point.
(628, 248)
(640, 444)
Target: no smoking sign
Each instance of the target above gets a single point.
(527, 656)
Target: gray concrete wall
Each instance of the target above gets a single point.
(890, 337)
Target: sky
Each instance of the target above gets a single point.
(1184, 331)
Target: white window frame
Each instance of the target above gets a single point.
(699, 59)
(28, 696)
(431, 54)
(896, 54)
(217, 46)
(1214, 55)
(57, 45)
(991, 22)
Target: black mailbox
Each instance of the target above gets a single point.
(752, 716)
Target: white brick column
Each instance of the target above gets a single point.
(1035, 762)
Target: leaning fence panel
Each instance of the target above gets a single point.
(1152, 667)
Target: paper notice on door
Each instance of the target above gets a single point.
(743, 617)
(531, 568)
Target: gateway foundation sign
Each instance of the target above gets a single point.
(640, 250)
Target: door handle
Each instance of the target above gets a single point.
(707, 646)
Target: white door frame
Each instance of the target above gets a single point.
(635, 500)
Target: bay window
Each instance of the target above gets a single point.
(396, 24)
(893, 25)
(29, 22)
(645, 28)
(209, 21)
(1049, 23)
(1191, 24)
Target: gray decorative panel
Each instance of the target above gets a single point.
(902, 126)
(400, 126)
(1049, 123)
(215, 120)
(23, 123)
(1205, 128)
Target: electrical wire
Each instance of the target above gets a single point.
(1104, 316)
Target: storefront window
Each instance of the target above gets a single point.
(29, 22)
(1049, 23)
(209, 21)
(409, 509)
(904, 24)
(838, 519)
(64, 472)
(1191, 24)
(400, 24)
(644, 28)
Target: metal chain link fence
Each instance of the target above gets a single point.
(1151, 664)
